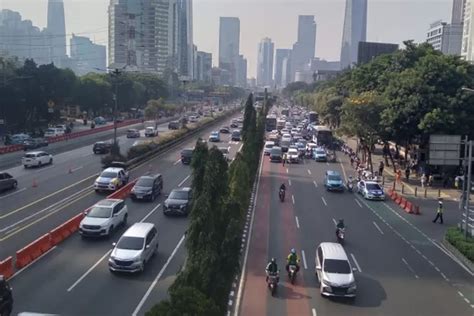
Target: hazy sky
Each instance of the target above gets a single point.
(388, 21)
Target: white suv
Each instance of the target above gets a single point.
(151, 132)
(36, 159)
(103, 218)
(111, 179)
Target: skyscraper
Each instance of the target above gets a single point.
(87, 56)
(303, 49)
(184, 48)
(280, 55)
(457, 14)
(203, 66)
(354, 31)
(446, 38)
(56, 29)
(229, 46)
(265, 62)
(242, 72)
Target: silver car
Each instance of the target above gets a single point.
(134, 249)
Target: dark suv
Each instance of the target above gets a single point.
(178, 202)
(7, 182)
(174, 125)
(186, 156)
(6, 297)
(147, 188)
(102, 148)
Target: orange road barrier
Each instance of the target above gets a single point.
(32, 251)
(6, 267)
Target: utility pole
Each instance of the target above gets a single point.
(115, 74)
(467, 193)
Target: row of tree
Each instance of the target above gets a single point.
(221, 198)
(402, 97)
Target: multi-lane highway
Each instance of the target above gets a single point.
(400, 268)
(74, 277)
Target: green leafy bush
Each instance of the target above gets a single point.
(465, 246)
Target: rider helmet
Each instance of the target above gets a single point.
(293, 251)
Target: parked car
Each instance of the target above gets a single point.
(133, 133)
(178, 202)
(236, 136)
(334, 271)
(193, 119)
(147, 188)
(34, 143)
(111, 179)
(187, 156)
(7, 181)
(36, 159)
(53, 132)
(151, 132)
(333, 181)
(174, 125)
(103, 218)
(215, 137)
(134, 249)
(102, 147)
(225, 130)
(370, 190)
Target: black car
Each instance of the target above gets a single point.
(102, 148)
(34, 143)
(147, 188)
(236, 136)
(225, 130)
(178, 202)
(6, 297)
(187, 156)
(7, 182)
(174, 125)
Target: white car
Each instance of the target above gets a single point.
(320, 154)
(111, 179)
(36, 159)
(267, 149)
(293, 155)
(52, 132)
(193, 119)
(370, 190)
(103, 218)
(151, 132)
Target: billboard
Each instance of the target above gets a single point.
(445, 150)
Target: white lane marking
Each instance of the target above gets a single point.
(244, 265)
(327, 163)
(343, 170)
(89, 271)
(334, 221)
(78, 168)
(240, 148)
(13, 193)
(287, 170)
(358, 203)
(151, 212)
(297, 222)
(324, 201)
(176, 162)
(293, 198)
(289, 181)
(314, 312)
(410, 268)
(378, 228)
(304, 260)
(31, 264)
(315, 184)
(309, 172)
(462, 295)
(356, 263)
(184, 180)
(153, 284)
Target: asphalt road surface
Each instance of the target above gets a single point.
(73, 278)
(401, 270)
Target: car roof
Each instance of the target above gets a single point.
(269, 142)
(34, 152)
(113, 169)
(108, 202)
(138, 230)
(151, 177)
(332, 250)
(184, 189)
(369, 182)
(333, 173)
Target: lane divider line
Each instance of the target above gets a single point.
(410, 268)
(297, 222)
(155, 281)
(76, 169)
(293, 198)
(315, 184)
(314, 312)
(334, 221)
(378, 228)
(309, 172)
(304, 260)
(289, 181)
(176, 162)
(287, 170)
(358, 203)
(324, 201)
(89, 271)
(356, 263)
(151, 212)
(13, 193)
(31, 263)
(184, 180)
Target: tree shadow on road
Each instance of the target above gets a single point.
(288, 292)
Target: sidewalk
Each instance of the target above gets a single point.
(410, 188)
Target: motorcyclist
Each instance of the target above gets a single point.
(6, 298)
(340, 225)
(282, 187)
(272, 268)
(292, 259)
(350, 181)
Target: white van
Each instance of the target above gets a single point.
(334, 271)
(52, 132)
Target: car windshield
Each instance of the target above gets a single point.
(336, 266)
(108, 174)
(334, 178)
(373, 186)
(130, 243)
(50, 130)
(187, 152)
(144, 182)
(320, 152)
(179, 195)
(268, 145)
(30, 156)
(100, 212)
(236, 132)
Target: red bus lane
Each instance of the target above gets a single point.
(255, 292)
(296, 295)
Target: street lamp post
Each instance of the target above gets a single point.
(466, 194)
(115, 74)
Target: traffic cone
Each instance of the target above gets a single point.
(35, 184)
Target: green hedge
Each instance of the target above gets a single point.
(465, 246)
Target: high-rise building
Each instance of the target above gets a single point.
(286, 71)
(368, 51)
(354, 31)
(242, 72)
(86, 56)
(457, 14)
(203, 66)
(304, 48)
(56, 29)
(265, 62)
(229, 46)
(280, 55)
(445, 37)
(184, 49)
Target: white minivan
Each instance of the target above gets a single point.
(52, 132)
(36, 159)
(334, 271)
(103, 218)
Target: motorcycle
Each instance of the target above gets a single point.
(350, 186)
(272, 283)
(282, 195)
(292, 273)
(340, 234)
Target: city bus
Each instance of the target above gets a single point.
(322, 135)
(313, 117)
(270, 123)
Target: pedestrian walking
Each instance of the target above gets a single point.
(430, 180)
(284, 159)
(407, 173)
(381, 166)
(352, 161)
(423, 180)
(439, 212)
(399, 175)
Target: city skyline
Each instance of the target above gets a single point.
(382, 17)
